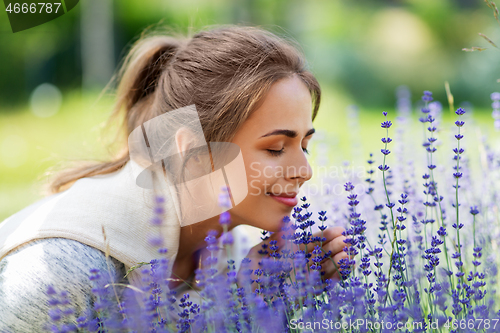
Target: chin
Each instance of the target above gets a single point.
(275, 223)
(268, 216)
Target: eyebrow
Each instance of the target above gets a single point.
(289, 133)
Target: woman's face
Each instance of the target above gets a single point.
(273, 142)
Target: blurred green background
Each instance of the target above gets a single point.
(360, 51)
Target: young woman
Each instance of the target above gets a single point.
(249, 87)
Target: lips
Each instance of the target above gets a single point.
(289, 199)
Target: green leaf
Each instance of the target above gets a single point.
(488, 40)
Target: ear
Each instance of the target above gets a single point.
(184, 140)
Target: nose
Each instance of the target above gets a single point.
(298, 168)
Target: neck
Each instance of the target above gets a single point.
(192, 237)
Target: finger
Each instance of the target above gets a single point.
(331, 266)
(335, 246)
(331, 233)
(332, 262)
(338, 257)
(330, 272)
(328, 235)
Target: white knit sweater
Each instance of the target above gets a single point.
(113, 202)
(59, 238)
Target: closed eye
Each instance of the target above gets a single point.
(279, 152)
(276, 152)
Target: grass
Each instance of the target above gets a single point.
(29, 146)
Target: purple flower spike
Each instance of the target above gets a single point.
(386, 124)
(385, 151)
(52, 291)
(348, 186)
(225, 218)
(383, 167)
(155, 240)
(227, 239)
(427, 97)
(474, 210)
(225, 197)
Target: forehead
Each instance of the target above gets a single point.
(287, 105)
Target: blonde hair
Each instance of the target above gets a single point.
(225, 72)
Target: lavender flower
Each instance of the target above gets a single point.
(495, 97)
(289, 283)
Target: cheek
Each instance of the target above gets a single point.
(258, 209)
(261, 174)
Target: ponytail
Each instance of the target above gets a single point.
(142, 68)
(138, 77)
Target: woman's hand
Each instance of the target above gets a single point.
(334, 242)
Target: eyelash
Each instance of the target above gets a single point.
(279, 152)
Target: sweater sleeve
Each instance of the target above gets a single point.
(27, 273)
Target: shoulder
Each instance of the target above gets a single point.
(27, 272)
